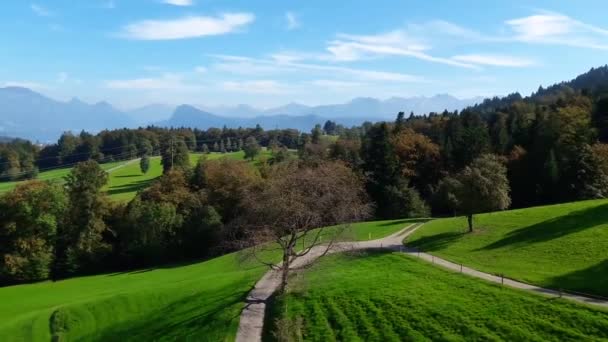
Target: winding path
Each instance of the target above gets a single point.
(252, 317)
(251, 321)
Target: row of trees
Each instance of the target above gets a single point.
(20, 159)
(48, 230)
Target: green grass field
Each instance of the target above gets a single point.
(200, 302)
(386, 296)
(125, 182)
(54, 175)
(561, 246)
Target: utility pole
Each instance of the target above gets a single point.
(171, 152)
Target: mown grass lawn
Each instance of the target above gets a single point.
(198, 302)
(383, 296)
(560, 246)
(54, 175)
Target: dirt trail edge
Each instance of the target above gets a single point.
(251, 321)
(252, 317)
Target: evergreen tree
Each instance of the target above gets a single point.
(400, 122)
(205, 149)
(251, 148)
(316, 134)
(174, 154)
(144, 164)
(79, 241)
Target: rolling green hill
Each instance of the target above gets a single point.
(201, 301)
(124, 183)
(386, 296)
(55, 174)
(560, 246)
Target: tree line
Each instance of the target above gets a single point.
(21, 160)
(508, 152)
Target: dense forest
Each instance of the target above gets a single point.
(545, 148)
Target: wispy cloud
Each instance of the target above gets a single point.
(282, 65)
(292, 21)
(494, 60)
(558, 29)
(40, 10)
(165, 82)
(256, 87)
(396, 43)
(188, 27)
(179, 2)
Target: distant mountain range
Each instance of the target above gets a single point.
(28, 114)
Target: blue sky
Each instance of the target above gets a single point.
(268, 52)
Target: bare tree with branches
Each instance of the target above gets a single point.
(287, 214)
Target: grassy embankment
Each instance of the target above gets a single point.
(200, 301)
(560, 246)
(384, 296)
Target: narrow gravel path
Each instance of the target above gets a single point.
(497, 279)
(251, 321)
(123, 165)
(252, 317)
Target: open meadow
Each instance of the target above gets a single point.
(384, 296)
(198, 301)
(561, 246)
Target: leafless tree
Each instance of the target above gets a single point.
(287, 214)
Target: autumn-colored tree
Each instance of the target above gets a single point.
(418, 157)
(294, 201)
(225, 182)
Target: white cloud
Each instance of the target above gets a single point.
(179, 2)
(334, 84)
(40, 11)
(255, 87)
(292, 21)
(558, 29)
(494, 60)
(396, 43)
(242, 64)
(164, 82)
(188, 27)
(200, 69)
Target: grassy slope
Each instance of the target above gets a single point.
(561, 246)
(200, 302)
(391, 297)
(124, 183)
(55, 174)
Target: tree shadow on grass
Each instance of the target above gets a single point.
(132, 187)
(592, 280)
(436, 242)
(204, 316)
(127, 176)
(554, 228)
(404, 221)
